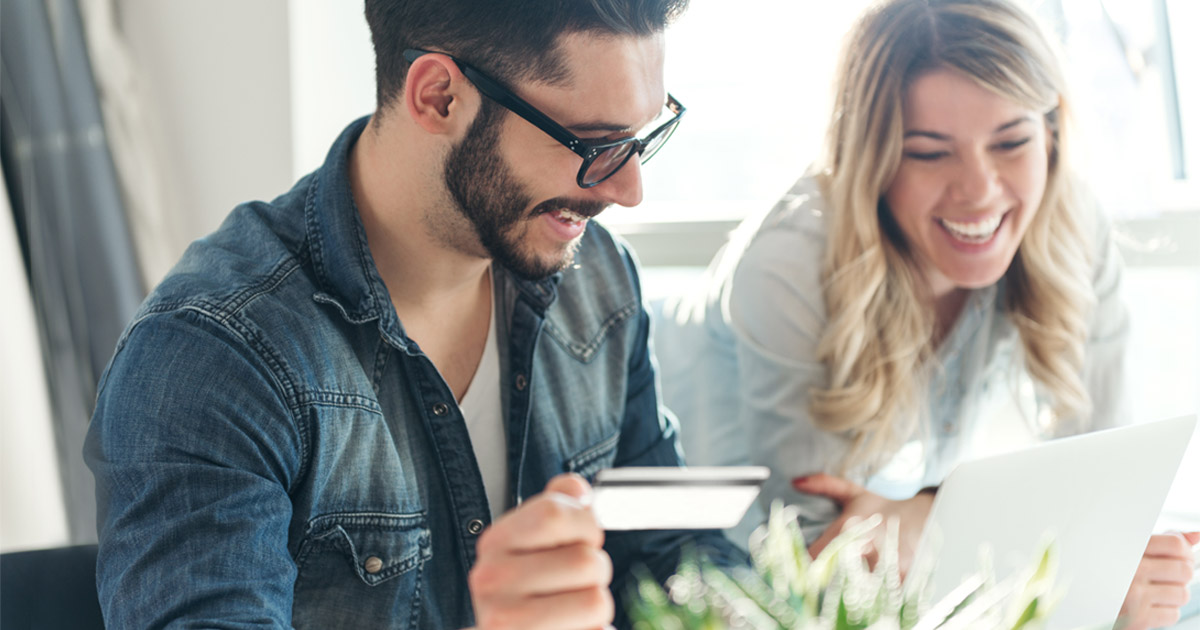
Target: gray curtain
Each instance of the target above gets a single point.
(70, 219)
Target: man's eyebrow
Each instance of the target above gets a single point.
(590, 127)
(941, 136)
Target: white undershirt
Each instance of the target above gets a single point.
(485, 423)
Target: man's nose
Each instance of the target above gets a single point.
(624, 188)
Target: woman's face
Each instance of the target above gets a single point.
(971, 179)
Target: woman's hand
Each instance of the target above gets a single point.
(1160, 586)
(857, 502)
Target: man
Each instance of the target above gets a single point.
(315, 418)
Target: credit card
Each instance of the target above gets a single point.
(697, 497)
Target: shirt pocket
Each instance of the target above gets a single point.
(362, 568)
(595, 458)
(583, 333)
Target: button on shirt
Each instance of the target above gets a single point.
(272, 450)
(738, 360)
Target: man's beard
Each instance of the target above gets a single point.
(487, 193)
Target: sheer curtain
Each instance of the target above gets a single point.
(70, 217)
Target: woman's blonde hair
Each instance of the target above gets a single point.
(879, 343)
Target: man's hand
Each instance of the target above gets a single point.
(542, 565)
(1160, 586)
(857, 503)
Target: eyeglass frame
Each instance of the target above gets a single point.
(585, 149)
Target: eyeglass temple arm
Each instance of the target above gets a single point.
(511, 101)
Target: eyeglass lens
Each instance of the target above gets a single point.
(654, 143)
(608, 162)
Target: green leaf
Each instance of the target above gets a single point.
(1029, 614)
(843, 618)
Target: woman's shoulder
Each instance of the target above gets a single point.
(773, 253)
(776, 259)
(800, 212)
(790, 235)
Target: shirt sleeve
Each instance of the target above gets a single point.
(193, 450)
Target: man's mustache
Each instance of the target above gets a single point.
(587, 209)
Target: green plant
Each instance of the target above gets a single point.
(785, 589)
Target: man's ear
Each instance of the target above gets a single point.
(437, 96)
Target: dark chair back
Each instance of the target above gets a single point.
(49, 589)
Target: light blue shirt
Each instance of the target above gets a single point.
(738, 361)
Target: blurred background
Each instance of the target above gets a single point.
(131, 127)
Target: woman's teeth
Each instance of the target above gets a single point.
(976, 232)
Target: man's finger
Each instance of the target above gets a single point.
(562, 569)
(571, 485)
(587, 608)
(842, 491)
(1193, 538)
(545, 521)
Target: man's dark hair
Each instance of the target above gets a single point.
(511, 40)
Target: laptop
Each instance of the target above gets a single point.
(1097, 496)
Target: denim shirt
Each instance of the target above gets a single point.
(272, 450)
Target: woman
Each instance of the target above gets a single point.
(937, 265)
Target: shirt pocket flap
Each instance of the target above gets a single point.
(595, 458)
(379, 547)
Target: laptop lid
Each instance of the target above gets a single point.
(1097, 495)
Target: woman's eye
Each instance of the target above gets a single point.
(1014, 144)
(928, 156)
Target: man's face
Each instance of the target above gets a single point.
(516, 185)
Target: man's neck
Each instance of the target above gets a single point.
(396, 190)
(442, 296)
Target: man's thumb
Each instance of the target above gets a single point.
(571, 485)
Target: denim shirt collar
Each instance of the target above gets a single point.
(346, 273)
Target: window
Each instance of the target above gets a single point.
(759, 73)
(1134, 76)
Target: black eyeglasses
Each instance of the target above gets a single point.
(601, 160)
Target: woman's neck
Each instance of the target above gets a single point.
(946, 308)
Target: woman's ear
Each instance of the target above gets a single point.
(436, 95)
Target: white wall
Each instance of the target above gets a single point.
(244, 97)
(217, 82)
(332, 75)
